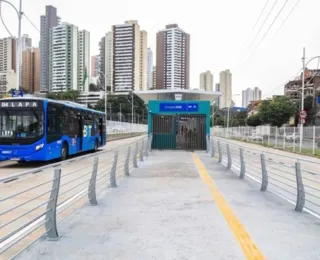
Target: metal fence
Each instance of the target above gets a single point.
(287, 138)
(35, 205)
(296, 180)
(115, 127)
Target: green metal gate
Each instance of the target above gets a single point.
(183, 132)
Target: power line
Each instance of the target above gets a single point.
(265, 20)
(4, 22)
(281, 85)
(293, 8)
(285, 3)
(31, 22)
(254, 27)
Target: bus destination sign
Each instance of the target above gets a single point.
(19, 104)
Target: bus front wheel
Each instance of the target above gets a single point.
(95, 146)
(64, 152)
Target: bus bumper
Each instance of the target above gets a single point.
(25, 154)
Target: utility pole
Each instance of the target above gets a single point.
(19, 49)
(302, 94)
(120, 113)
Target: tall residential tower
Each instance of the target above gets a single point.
(7, 64)
(47, 22)
(83, 60)
(63, 58)
(173, 58)
(226, 89)
(206, 81)
(150, 69)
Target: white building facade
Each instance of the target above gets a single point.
(225, 89)
(63, 71)
(83, 60)
(173, 48)
(126, 56)
(206, 81)
(150, 69)
(249, 95)
(106, 60)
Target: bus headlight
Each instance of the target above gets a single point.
(39, 146)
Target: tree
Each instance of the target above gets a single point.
(239, 118)
(254, 120)
(125, 103)
(218, 120)
(71, 95)
(276, 112)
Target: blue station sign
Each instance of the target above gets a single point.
(179, 107)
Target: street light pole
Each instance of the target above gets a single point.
(105, 94)
(302, 95)
(19, 49)
(229, 112)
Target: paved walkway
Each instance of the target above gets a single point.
(183, 205)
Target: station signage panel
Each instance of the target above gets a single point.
(20, 104)
(179, 107)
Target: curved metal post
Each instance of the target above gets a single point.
(264, 183)
(92, 184)
(229, 157)
(135, 155)
(51, 221)
(243, 165)
(141, 150)
(220, 153)
(300, 189)
(126, 166)
(113, 178)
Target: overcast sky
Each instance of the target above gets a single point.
(221, 32)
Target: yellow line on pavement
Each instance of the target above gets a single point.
(249, 248)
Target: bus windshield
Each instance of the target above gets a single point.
(19, 124)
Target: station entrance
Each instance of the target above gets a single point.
(180, 132)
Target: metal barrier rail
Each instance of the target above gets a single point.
(57, 164)
(296, 180)
(37, 209)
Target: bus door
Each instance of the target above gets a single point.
(81, 122)
(101, 131)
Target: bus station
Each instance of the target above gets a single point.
(178, 119)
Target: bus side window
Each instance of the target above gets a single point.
(53, 123)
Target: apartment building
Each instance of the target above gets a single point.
(83, 60)
(47, 22)
(7, 64)
(30, 79)
(149, 69)
(225, 89)
(63, 69)
(206, 81)
(95, 66)
(173, 58)
(106, 60)
(154, 77)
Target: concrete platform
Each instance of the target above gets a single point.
(183, 205)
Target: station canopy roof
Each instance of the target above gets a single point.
(178, 94)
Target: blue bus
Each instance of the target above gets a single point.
(39, 129)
